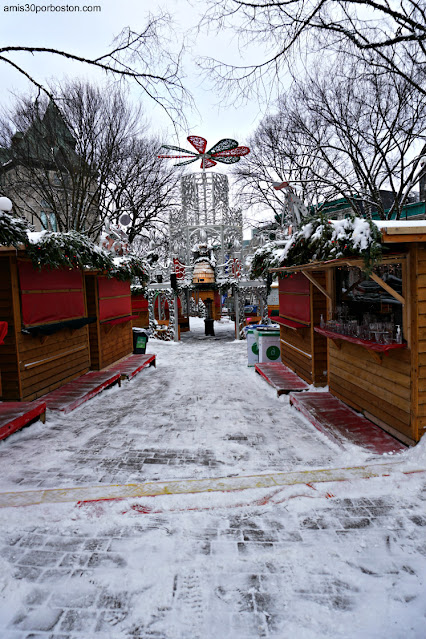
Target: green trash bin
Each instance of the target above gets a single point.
(140, 339)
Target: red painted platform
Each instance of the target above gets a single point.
(133, 365)
(342, 424)
(71, 395)
(16, 415)
(280, 377)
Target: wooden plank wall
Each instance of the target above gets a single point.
(33, 366)
(419, 362)
(381, 390)
(116, 342)
(49, 362)
(108, 342)
(319, 343)
(142, 320)
(296, 351)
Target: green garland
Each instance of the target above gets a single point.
(137, 289)
(13, 230)
(265, 258)
(67, 250)
(74, 250)
(320, 240)
(130, 267)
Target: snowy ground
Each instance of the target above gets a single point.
(337, 560)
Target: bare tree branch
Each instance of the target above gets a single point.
(340, 133)
(394, 32)
(144, 58)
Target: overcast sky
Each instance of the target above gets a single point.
(91, 33)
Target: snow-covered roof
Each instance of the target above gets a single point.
(401, 227)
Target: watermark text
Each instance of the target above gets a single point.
(52, 8)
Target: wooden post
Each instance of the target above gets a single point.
(176, 318)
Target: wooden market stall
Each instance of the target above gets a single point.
(3, 333)
(375, 327)
(301, 304)
(140, 309)
(110, 335)
(47, 342)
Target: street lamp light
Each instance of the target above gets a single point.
(5, 204)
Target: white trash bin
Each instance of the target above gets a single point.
(269, 346)
(252, 348)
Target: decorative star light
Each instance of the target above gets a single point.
(226, 151)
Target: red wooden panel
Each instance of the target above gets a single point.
(49, 307)
(295, 283)
(139, 303)
(110, 287)
(296, 307)
(114, 307)
(166, 304)
(47, 279)
(3, 331)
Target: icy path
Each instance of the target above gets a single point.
(335, 561)
(202, 412)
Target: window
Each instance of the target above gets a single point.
(53, 222)
(367, 310)
(47, 218)
(43, 221)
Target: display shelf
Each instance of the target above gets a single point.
(377, 349)
(119, 320)
(289, 323)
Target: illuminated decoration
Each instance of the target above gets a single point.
(225, 151)
(206, 226)
(206, 239)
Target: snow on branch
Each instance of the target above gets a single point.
(319, 240)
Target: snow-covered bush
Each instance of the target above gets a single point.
(13, 230)
(320, 240)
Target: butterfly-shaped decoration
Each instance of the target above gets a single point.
(226, 151)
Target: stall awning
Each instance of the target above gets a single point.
(343, 261)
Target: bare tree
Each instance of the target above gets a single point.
(71, 169)
(390, 36)
(276, 158)
(143, 186)
(144, 57)
(350, 135)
